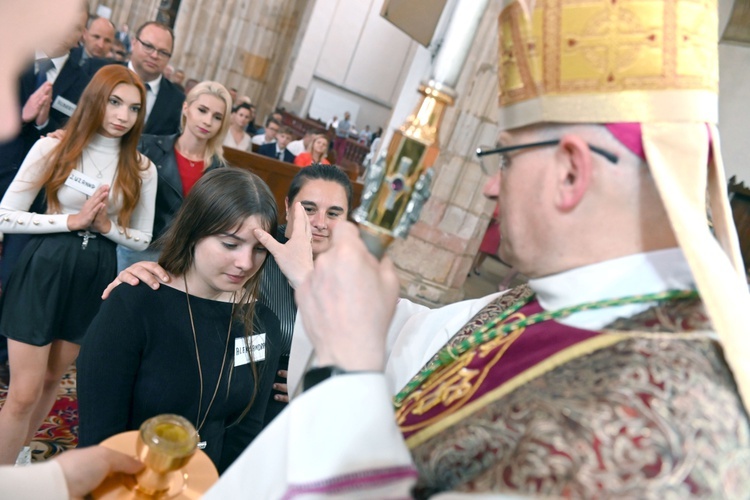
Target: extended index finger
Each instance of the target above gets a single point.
(301, 227)
(268, 241)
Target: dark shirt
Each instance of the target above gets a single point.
(278, 295)
(138, 360)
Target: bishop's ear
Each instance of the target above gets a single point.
(574, 166)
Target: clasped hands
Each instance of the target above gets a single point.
(93, 214)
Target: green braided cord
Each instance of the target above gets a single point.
(490, 331)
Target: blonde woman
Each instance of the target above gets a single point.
(316, 153)
(182, 159)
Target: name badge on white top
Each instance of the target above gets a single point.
(81, 182)
(242, 349)
(63, 105)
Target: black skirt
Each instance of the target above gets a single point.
(55, 289)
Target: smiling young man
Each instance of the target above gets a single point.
(622, 369)
(152, 49)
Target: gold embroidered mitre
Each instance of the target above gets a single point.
(594, 61)
(652, 62)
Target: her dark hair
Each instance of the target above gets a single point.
(219, 202)
(325, 173)
(242, 105)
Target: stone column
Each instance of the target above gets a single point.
(434, 260)
(245, 44)
(132, 12)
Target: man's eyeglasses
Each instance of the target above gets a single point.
(491, 168)
(150, 49)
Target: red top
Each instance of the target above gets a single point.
(304, 159)
(190, 171)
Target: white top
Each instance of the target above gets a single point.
(99, 157)
(43, 480)
(243, 145)
(342, 432)
(260, 139)
(296, 147)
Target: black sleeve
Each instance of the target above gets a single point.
(240, 435)
(108, 364)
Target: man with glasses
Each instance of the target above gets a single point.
(622, 369)
(268, 136)
(152, 49)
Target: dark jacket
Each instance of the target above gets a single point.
(160, 150)
(270, 151)
(167, 112)
(88, 64)
(68, 87)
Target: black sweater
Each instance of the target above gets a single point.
(138, 360)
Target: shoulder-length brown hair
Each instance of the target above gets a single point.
(219, 202)
(83, 125)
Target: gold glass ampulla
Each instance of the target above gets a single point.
(174, 467)
(398, 182)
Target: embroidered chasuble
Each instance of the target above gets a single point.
(566, 412)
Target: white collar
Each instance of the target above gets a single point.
(154, 84)
(636, 274)
(58, 62)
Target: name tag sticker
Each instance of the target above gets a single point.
(81, 182)
(63, 105)
(242, 349)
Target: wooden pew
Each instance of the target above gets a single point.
(277, 174)
(354, 154)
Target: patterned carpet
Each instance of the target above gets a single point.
(59, 431)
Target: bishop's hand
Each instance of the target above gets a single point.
(347, 303)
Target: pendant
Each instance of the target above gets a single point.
(100, 175)
(202, 445)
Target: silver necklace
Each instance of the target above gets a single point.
(100, 170)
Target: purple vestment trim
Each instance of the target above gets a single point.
(490, 369)
(354, 481)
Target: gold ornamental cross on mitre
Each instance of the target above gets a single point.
(607, 61)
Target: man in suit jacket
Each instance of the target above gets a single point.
(152, 49)
(97, 40)
(278, 149)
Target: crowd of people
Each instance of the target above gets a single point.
(114, 167)
(620, 370)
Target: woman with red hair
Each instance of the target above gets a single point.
(100, 192)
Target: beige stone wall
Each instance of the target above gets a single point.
(246, 44)
(434, 260)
